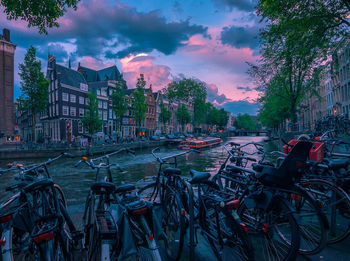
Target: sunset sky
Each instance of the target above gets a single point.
(209, 40)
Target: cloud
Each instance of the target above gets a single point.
(242, 106)
(240, 37)
(157, 75)
(243, 5)
(56, 49)
(99, 25)
(247, 89)
(93, 63)
(214, 96)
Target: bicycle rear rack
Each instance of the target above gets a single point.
(106, 226)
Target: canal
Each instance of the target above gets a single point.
(76, 182)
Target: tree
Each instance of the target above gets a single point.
(183, 116)
(164, 115)
(139, 101)
(244, 121)
(91, 120)
(223, 119)
(119, 103)
(295, 42)
(190, 90)
(42, 14)
(34, 86)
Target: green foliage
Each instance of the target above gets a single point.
(91, 121)
(244, 121)
(186, 89)
(34, 86)
(190, 90)
(183, 116)
(119, 103)
(38, 13)
(215, 116)
(295, 42)
(164, 115)
(139, 100)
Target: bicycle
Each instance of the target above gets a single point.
(33, 220)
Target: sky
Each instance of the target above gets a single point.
(208, 40)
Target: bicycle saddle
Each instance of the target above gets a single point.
(336, 164)
(38, 185)
(124, 188)
(198, 177)
(102, 187)
(172, 171)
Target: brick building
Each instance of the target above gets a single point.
(7, 109)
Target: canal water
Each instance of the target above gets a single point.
(76, 182)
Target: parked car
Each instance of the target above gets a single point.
(161, 137)
(171, 136)
(155, 137)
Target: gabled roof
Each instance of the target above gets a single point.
(109, 73)
(69, 76)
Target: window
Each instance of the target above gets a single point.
(110, 114)
(100, 104)
(100, 114)
(81, 112)
(81, 100)
(73, 111)
(73, 98)
(57, 111)
(56, 95)
(64, 96)
(103, 93)
(84, 87)
(104, 105)
(87, 101)
(50, 111)
(53, 97)
(80, 127)
(49, 98)
(98, 92)
(65, 110)
(110, 91)
(104, 115)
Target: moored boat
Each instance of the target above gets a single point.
(200, 143)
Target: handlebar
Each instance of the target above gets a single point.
(161, 160)
(48, 162)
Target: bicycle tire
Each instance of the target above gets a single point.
(173, 212)
(313, 224)
(245, 249)
(342, 207)
(272, 238)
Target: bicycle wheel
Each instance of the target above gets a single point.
(273, 232)
(313, 224)
(173, 224)
(150, 192)
(226, 236)
(335, 203)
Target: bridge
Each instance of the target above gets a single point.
(249, 133)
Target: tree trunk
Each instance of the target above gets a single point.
(33, 127)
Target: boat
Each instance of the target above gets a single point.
(200, 143)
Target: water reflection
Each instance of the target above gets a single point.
(76, 181)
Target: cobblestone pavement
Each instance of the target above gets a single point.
(337, 252)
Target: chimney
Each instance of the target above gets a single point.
(6, 34)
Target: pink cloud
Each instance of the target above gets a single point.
(229, 63)
(133, 66)
(93, 63)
